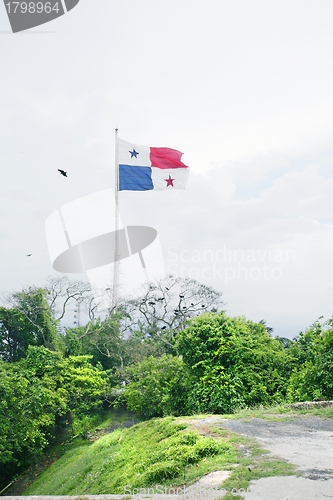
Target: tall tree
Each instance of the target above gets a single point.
(15, 334)
(61, 292)
(312, 355)
(166, 305)
(28, 322)
(234, 363)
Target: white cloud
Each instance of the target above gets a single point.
(243, 88)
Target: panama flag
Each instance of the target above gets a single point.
(142, 168)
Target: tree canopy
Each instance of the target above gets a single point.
(28, 322)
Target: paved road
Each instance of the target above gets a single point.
(304, 441)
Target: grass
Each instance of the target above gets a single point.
(160, 451)
(76, 438)
(173, 452)
(278, 413)
(320, 412)
(253, 463)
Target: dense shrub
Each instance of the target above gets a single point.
(157, 387)
(234, 363)
(312, 352)
(225, 363)
(39, 397)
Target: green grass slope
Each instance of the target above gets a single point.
(167, 452)
(160, 451)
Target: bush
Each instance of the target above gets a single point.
(313, 350)
(157, 387)
(233, 363)
(39, 397)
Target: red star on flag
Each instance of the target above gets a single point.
(169, 181)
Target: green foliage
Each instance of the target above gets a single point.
(15, 334)
(312, 353)
(29, 322)
(39, 397)
(155, 386)
(51, 382)
(106, 343)
(234, 363)
(33, 305)
(156, 451)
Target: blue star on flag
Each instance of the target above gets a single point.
(133, 153)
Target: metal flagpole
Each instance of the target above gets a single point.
(116, 245)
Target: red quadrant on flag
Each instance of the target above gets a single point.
(166, 158)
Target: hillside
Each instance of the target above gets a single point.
(158, 454)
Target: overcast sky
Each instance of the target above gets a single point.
(243, 88)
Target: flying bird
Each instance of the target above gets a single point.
(62, 172)
(29, 255)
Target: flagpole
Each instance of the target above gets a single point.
(116, 246)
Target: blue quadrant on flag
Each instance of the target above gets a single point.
(135, 178)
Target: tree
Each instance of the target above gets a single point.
(166, 305)
(312, 355)
(15, 334)
(234, 363)
(40, 396)
(153, 386)
(268, 329)
(32, 304)
(62, 291)
(284, 341)
(103, 339)
(28, 322)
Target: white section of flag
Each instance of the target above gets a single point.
(160, 178)
(126, 158)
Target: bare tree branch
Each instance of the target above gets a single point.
(166, 306)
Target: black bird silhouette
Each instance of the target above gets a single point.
(192, 304)
(181, 296)
(29, 255)
(62, 172)
(166, 288)
(163, 328)
(203, 305)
